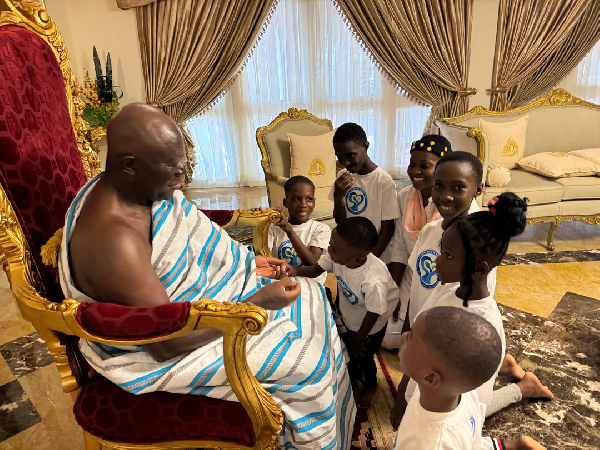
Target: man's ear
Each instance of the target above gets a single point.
(433, 379)
(129, 166)
(366, 145)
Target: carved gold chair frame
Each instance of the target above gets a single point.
(52, 320)
(290, 114)
(556, 97)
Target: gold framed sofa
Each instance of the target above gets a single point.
(536, 151)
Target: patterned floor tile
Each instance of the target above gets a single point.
(17, 413)
(26, 354)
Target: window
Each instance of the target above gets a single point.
(308, 59)
(584, 80)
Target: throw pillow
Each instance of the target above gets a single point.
(591, 154)
(313, 157)
(506, 140)
(559, 164)
(497, 176)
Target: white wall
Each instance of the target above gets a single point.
(85, 23)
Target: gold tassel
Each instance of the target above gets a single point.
(50, 249)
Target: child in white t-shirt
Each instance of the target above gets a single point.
(365, 300)
(450, 353)
(362, 189)
(298, 240)
(472, 246)
(416, 211)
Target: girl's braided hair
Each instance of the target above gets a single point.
(487, 233)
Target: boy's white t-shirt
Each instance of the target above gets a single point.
(311, 233)
(372, 196)
(422, 267)
(368, 288)
(458, 429)
(402, 245)
(488, 309)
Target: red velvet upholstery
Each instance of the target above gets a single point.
(107, 411)
(219, 216)
(40, 166)
(108, 320)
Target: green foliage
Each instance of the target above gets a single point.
(100, 115)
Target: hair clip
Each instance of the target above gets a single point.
(493, 201)
(493, 210)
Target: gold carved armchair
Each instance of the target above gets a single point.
(44, 161)
(274, 147)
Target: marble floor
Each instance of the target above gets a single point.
(552, 297)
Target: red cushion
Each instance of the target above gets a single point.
(219, 216)
(108, 412)
(108, 320)
(40, 166)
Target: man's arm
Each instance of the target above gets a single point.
(385, 235)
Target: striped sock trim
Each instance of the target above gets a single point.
(498, 443)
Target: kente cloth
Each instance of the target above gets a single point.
(297, 358)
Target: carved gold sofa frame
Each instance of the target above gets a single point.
(53, 321)
(553, 119)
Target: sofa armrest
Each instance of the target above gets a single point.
(260, 221)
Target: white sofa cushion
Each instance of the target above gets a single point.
(313, 157)
(558, 165)
(537, 189)
(506, 140)
(591, 154)
(580, 187)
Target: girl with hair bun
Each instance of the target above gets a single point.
(473, 246)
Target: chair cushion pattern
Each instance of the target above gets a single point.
(111, 321)
(40, 166)
(109, 412)
(219, 216)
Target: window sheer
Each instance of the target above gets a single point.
(306, 59)
(584, 80)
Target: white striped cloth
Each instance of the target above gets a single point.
(297, 358)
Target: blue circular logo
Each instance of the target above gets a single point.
(287, 252)
(356, 200)
(426, 268)
(351, 296)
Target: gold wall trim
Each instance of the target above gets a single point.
(290, 114)
(32, 16)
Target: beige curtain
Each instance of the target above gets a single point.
(422, 45)
(128, 4)
(529, 32)
(582, 38)
(193, 49)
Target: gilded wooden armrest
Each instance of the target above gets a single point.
(234, 320)
(260, 221)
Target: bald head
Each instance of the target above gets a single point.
(138, 129)
(146, 153)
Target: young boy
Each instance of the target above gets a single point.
(298, 240)
(450, 353)
(362, 189)
(366, 299)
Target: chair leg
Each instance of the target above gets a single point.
(90, 442)
(553, 227)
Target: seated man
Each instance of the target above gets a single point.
(132, 238)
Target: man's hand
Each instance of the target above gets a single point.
(277, 295)
(343, 183)
(270, 267)
(397, 413)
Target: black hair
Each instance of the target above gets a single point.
(358, 232)
(486, 234)
(295, 181)
(465, 341)
(467, 158)
(350, 132)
